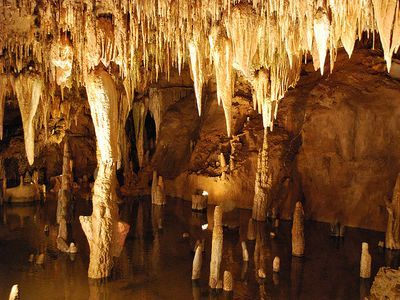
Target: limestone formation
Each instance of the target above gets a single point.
(386, 284)
(23, 193)
(28, 88)
(40, 259)
(228, 281)
(251, 235)
(365, 262)
(100, 227)
(263, 183)
(216, 248)
(197, 262)
(14, 294)
(392, 240)
(276, 264)
(298, 231)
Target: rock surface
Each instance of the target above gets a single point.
(386, 284)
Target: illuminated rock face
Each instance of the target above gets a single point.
(365, 262)
(385, 284)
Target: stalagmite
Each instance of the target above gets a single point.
(100, 227)
(14, 294)
(28, 88)
(197, 262)
(276, 264)
(251, 235)
(263, 184)
(216, 248)
(245, 253)
(392, 240)
(3, 93)
(228, 281)
(139, 115)
(298, 231)
(365, 262)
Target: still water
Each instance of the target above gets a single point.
(156, 261)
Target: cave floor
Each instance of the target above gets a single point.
(156, 260)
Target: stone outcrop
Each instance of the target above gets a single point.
(386, 284)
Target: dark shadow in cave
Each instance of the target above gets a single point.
(130, 133)
(150, 135)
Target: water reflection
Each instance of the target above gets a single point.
(156, 261)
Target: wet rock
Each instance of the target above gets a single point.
(386, 284)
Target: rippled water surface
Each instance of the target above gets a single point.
(156, 261)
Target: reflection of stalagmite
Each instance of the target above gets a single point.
(216, 248)
(28, 88)
(197, 262)
(245, 253)
(296, 277)
(298, 231)
(158, 190)
(393, 225)
(259, 250)
(251, 236)
(263, 185)
(101, 228)
(365, 263)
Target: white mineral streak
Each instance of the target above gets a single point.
(14, 294)
(100, 228)
(216, 248)
(221, 54)
(28, 88)
(228, 281)
(197, 262)
(298, 231)
(365, 262)
(263, 184)
(392, 240)
(321, 33)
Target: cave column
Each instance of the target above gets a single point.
(392, 238)
(263, 183)
(101, 227)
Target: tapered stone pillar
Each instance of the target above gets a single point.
(392, 239)
(365, 262)
(298, 231)
(101, 228)
(216, 248)
(263, 184)
(197, 262)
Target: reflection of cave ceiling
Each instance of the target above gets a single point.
(62, 41)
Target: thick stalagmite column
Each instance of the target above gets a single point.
(101, 228)
(216, 248)
(263, 184)
(298, 231)
(197, 262)
(393, 225)
(28, 88)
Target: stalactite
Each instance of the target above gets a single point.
(221, 53)
(139, 117)
(321, 33)
(28, 88)
(263, 184)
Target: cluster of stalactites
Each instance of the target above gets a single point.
(145, 38)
